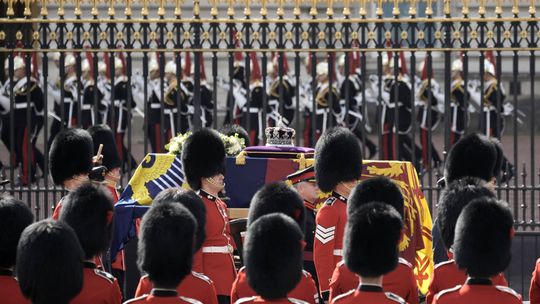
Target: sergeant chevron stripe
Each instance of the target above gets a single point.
(325, 235)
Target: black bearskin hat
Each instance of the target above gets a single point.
(483, 241)
(192, 202)
(231, 129)
(371, 239)
(166, 245)
(70, 154)
(102, 134)
(273, 255)
(49, 263)
(15, 216)
(376, 189)
(89, 210)
(473, 155)
(278, 197)
(338, 158)
(497, 169)
(452, 201)
(203, 155)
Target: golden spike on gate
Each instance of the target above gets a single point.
(10, 11)
(94, 11)
(362, 11)
(61, 8)
(429, 8)
(161, 9)
(412, 8)
(447, 8)
(178, 8)
(379, 10)
(144, 9)
(247, 8)
(330, 8)
(264, 10)
(27, 11)
(346, 8)
(482, 7)
(280, 11)
(296, 10)
(395, 9)
(498, 8)
(230, 9)
(214, 10)
(532, 8)
(110, 10)
(515, 8)
(127, 11)
(465, 10)
(44, 12)
(313, 10)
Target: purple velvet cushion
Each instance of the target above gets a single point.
(278, 151)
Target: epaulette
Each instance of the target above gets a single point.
(109, 277)
(190, 300)
(405, 262)
(394, 297)
(202, 277)
(348, 293)
(508, 290)
(449, 290)
(330, 201)
(245, 300)
(443, 263)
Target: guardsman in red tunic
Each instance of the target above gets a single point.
(273, 257)
(165, 253)
(70, 160)
(453, 199)
(304, 182)
(89, 210)
(534, 290)
(277, 198)
(482, 246)
(196, 285)
(371, 251)
(401, 280)
(48, 256)
(15, 216)
(203, 160)
(338, 165)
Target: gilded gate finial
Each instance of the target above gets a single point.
(330, 8)
(346, 7)
(465, 9)
(412, 7)
(44, 12)
(61, 8)
(395, 9)
(161, 9)
(362, 11)
(111, 11)
(379, 10)
(313, 10)
(515, 7)
(482, 7)
(296, 10)
(447, 8)
(498, 7)
(144, 9)
(429, 8)
(532, 8)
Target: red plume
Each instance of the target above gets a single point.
(255, 68)
(107, 64)
(404, 69)
(187, 65)
(424, 72)
(491, 58)
(90, 59)
(285, 63)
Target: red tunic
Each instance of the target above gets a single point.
(328, 244)
(534, 291)
(195, 286)
(369, 294)
(477, 291)
(119, 261)
(161, 296)
(447, 275)
(10, 292)
(400, 281)
(256, 299)
(99, 287)
(305, 290)
(215, 255)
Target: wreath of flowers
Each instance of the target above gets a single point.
(234, 144)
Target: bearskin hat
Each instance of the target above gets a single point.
(483, 241)
(338, 158)
(15, 216)
(497, 169)
(203, 156)
(89, 210)
(452, 201)
(231, 129)
(49, 256)
(371, 239)
(70, 154)
(273, 255)
(102, 134)
(376, 189)
(166, 245)
(473, 155)
(278, 197)
(192, 202)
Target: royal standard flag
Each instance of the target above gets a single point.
(155, 173)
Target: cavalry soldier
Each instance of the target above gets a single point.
(338, 165)
(166, 252)
(400, 281)
(207, 99)
(493, 110)
(387, 112)
(371, 251)
(273, 241)
(89, 211)
(285, 85)
(428, 115)
(196, 285)
(482, 246)
(304, 182)
(458, 95)
(154, 125)
(276, 198)
(175, 92)
(350, 91)
(203, 160)
(253, 111)
(89, 101)
(118, 116)
(68, 103)
(27, 96)
(324, 93)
